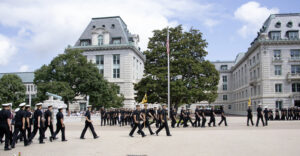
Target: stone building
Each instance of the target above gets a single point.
(268, 73)
(107, 42)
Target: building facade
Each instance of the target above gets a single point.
(268, 73)
(107, 42)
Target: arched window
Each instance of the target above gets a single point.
(100, 40)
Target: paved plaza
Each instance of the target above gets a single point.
(279, 138)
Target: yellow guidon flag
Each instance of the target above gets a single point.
(144, 99)
(249, 102)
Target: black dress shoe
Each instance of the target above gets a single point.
(96, 137)
(156, 133)
(12, 146)
(82, 138)
(152, 133)
(169, 135)
(50, 139)
(7, 149)
(144, 135)
(131, 135)
(64, 140)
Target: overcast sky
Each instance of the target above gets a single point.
(32, 32)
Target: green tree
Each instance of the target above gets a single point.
(12, 90)
(70, 75)
(193, 79)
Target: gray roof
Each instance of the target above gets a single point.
(118, 31)
(27, 77)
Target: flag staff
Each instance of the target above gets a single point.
(168, 53)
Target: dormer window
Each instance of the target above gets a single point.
(100, 40)
(103, 26)
(113, 26)
(274, 35)
(224, 67)
(94, 26)
(84, 42)
(289, 24)
(278, 25)
(292, 35)
(116, 41)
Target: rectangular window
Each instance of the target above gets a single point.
(257, 56)
(116, 41)
(292, 35)
(133, 68)
(84, 43)
(225, 97)
(116, 66)
(278, 88)
(295, 87)
(100, 63)
(295, 69)
(275, 35)
(278, 105)
(295, 54)
(224, 86)
(254, 60)
(224, 67)
(277, 54)
(277, 69)
(224, 78)
(229, 106)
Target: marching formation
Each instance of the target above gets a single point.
(17, 127)
(292, 113)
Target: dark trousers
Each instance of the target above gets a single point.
(88, 125)
(147, 124)
(50, 127)
(173, 122)
(262, 120)
(41, 132)
(223, 118)
(203, 122)
(249, 118)
(59, 127)
(266, 120)
(157, 123)
(180, 119)
(164, 125)
(103, 121)
(18, 128)
(28, 129)
(197, 122)
(186, 120)
(121, 121)
(4, 131)
(137, 125)
(212, 120)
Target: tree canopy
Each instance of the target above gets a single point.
(70, 75)
(12, 90)
(193, 79)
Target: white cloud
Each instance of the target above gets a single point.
(7, 50)
(48, 26)
(252, 14)
(211, 22)
(24, 68)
